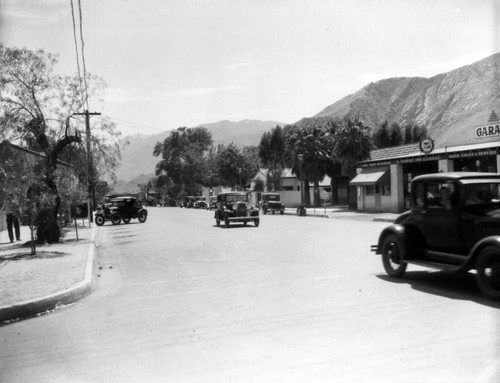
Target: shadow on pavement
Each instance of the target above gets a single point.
(27, 256)
(461, 286)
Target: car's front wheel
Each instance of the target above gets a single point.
(256, 222)
(142, 217)
(392, 256)
(115, 220)
(99, 220)
(488, 272)
(226, 221)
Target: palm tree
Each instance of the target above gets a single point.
(312, 143)
(352, 144)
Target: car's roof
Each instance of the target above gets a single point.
(270, 193)
(234, 193)
(121, 198)
(454, 176)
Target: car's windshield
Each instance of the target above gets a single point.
(271, 197)
(237, 197)
(480, 193)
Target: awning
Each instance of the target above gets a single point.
(369, 178)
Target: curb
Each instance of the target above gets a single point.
(64, 297)
(332, 215)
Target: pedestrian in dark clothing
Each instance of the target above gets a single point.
(12, 211)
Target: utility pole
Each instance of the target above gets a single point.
(90, 167)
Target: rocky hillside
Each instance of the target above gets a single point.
(449, 104)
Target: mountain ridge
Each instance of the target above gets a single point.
(448, 104)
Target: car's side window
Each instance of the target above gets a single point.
(434, 195)
(419, 195)
(441, 195)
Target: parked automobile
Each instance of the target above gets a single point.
(235, 207)
(200, 203)
(189, 201)
(121, 209)
(453, 224)
(272, 202)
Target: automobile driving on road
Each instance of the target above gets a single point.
(272, 202)
(235, 207)
(453, 224)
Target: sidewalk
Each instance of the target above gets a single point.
(344, 212)
(57, 274)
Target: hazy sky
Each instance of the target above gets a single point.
(171, 63)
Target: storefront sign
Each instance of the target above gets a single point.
(426, 146)
(411, 160)
(487, 131)
(477, 153)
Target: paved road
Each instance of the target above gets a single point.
(294, 300)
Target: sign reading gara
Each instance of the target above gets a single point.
(487, 131)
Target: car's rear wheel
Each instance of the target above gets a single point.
(256, 222)
(115, 220)
(488, 272)
(126, 220)
(99, 220)
(274, 211)
(282, 212)
(142, 217)
(392, 256)
(264, 211)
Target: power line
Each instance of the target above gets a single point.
(83, 56)
(76, 48)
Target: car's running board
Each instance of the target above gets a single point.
(434, 265)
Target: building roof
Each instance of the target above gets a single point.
(413, 150)
(394, 152)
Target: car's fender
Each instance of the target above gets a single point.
(396, 229)
(493, 240)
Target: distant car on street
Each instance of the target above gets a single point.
(272, 202)
(235, 207)
(200, 203)
(120, 209)
(453, 224)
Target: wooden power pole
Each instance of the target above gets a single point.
(90, 167)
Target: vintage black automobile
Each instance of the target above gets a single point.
(235, 207)
(453, 224)
(272, 202)
(121, 209)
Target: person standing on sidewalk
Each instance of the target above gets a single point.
(11, 209)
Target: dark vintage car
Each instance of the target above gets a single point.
(272, 202)
(235, 207)
(188, 202)
(453, 224)
(120, 209)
